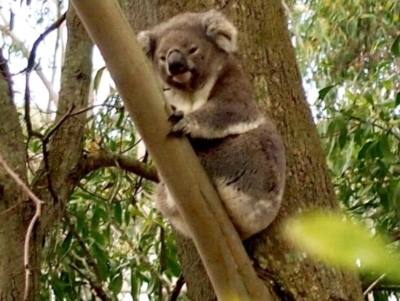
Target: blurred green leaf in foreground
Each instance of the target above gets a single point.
(339, 241)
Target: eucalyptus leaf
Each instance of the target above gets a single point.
(337, 240)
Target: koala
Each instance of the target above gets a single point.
(214, 105)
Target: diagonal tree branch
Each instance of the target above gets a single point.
(226, 262)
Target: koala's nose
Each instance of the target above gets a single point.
(176, 63)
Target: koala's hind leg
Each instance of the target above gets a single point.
(250, 214)
(167, 207)
(248, 172)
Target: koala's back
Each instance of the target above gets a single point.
(250, 186)
(248, 172)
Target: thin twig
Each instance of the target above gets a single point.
(20, 45)
(30, 67)
(143, 260)
(44, 150)
(163, 260)
(98, 289)
(373, 284)
(84, 110)
(177, 288)
(38, 204)
(88, 256)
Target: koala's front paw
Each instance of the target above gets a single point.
(181, 128)
(176, 116)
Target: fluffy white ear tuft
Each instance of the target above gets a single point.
(146, 41)
(222, 31)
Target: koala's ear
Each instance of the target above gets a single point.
(220, 30)
(147, 42)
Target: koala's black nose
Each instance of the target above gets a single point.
(177, 63)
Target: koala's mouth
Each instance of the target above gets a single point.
(182, 78)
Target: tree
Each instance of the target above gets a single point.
(274, 71)
(94, 206)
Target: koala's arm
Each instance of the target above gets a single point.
(222, 115)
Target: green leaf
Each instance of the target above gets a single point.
(341, 242)
(97, 78)
(102, 261)
(323, 92)
(116, 284)
(118, 212)
(135, 283)
(396, 47)
(66, 243)
(363, 151)
(397, 99)
(99, 238)
(367, 16)
(396, 196)
(343, 137)
(384, 146)
(368, 97)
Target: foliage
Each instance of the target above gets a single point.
(349, 51)
(110, 236)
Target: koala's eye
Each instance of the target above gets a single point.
(193, 50)
(162, 58)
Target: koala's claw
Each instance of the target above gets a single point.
(181, 128)
(176, 116)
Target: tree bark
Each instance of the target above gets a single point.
(64, 150)
(15, 208)
(65, 146)
(270, 59)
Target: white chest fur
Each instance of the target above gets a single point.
(188, 102)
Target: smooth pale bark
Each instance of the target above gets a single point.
(219, 246)
(270, 59)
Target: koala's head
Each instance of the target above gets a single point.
(187, 49)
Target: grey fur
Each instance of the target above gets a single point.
(238, 145)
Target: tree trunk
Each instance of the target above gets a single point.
(65, 146)
(15, 208)
(270, 59)
(64, 150)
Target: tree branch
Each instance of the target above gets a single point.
(97, 283)
(96, 287)
(177, 288)
(220, 248)
(373, 284)
(29, 68)
(38, 205)
(94, 161)
(17, 42)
